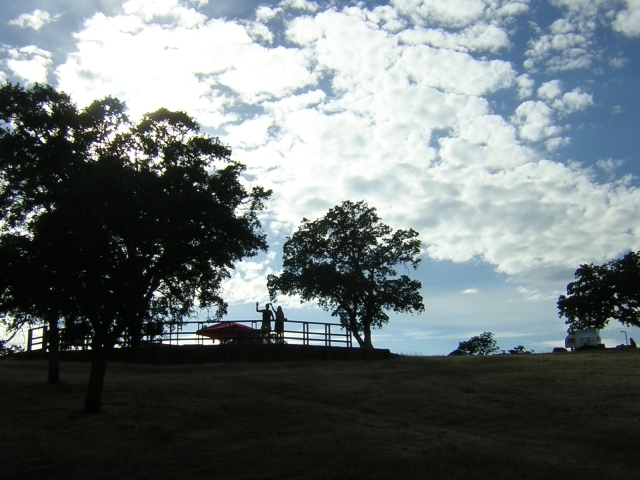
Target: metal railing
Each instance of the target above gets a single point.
(295, 332)
(37, 337)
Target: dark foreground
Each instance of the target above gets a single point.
(503, 417)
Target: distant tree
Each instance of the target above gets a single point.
(142, 225)
(603, 292)
(519, 350)
(483, 344)
(347, 261)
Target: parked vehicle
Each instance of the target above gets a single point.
(582, 339)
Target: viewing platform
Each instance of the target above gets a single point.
(224, 341)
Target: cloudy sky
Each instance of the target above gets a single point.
(505, 132)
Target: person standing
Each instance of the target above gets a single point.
(267, 315)
(280, 324)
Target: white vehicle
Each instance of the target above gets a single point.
(589, 338)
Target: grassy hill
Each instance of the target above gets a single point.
(499, 417)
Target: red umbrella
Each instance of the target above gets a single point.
(226, 330)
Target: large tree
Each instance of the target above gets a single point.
(45, 144)
(347, 261)
(148, 225)
(603, 292)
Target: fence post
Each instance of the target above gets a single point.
(200, 338)
(45, 338)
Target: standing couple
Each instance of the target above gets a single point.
(267, 316)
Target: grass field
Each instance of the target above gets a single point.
(499, 417)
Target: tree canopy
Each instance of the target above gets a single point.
(125, 225)
(347, 261)
(603, 292)
(483, 344)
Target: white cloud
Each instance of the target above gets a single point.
(535, 121)
(304, 31)
(628, 21)
(258, 74)
(443, 69)
(513, 9)
(479, 37)
(617, 110)
(453, 13)
(251, 133)
(608, 165)
(470, 291)
(618, 62)
(492, 206)
(279, 109)
(560, 52)
(571, 42)
(265, 14)
(561, 26)
(248, 281)
(550, 90)
(573, 101)
(300, 5)
(525, 86)
(361, 110)
(30, 63)
(555, 143)
(259, 31)
(200, 63)
(35, 20)
(387, 17)
(164, 10)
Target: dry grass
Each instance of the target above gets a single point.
(511, 417)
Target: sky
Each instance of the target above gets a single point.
(504, 132)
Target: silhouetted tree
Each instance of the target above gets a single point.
(603, 292)
(347, 261)
(44, 145)
(148, 224)
(483, 344)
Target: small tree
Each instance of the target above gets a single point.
(483, 344)
(347, 261)
(603, 292)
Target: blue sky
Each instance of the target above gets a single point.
(505, 132)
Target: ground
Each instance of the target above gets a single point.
(513, 416)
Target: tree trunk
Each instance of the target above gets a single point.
(367, 335)
(354, 331)
(93, 402)
(53, 348)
